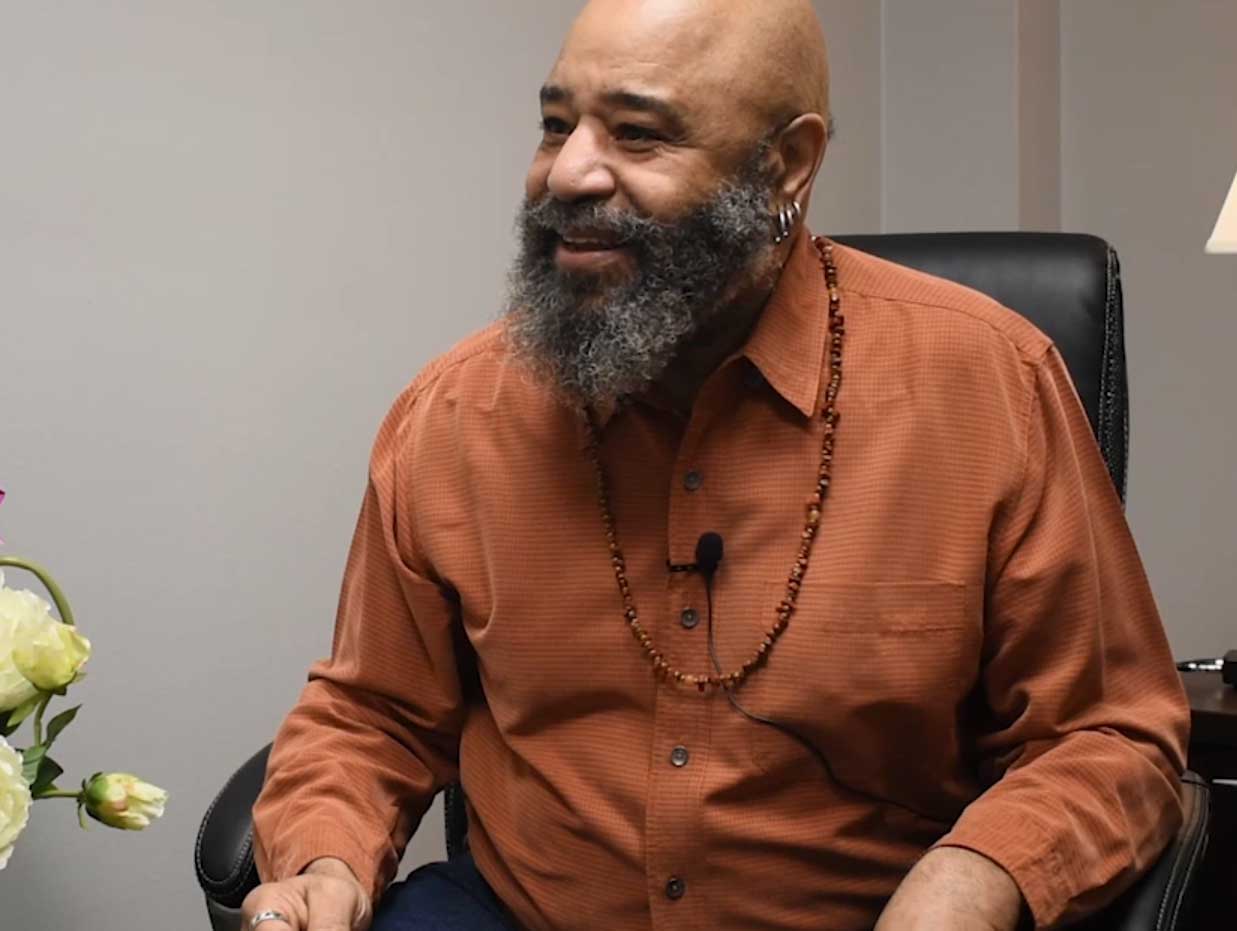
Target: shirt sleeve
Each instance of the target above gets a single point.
(375, 734)
(1086, 718)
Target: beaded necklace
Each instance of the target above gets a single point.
(662, 667)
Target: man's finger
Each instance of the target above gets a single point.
(272, 898)
(268, 924)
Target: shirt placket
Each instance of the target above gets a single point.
(680, 752)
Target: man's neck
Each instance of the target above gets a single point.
(705, 353)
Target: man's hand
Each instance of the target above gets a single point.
(325, 897)
(956, 889)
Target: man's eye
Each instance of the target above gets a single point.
(553, 126)
(637, 134)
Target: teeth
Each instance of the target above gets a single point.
(589, 244)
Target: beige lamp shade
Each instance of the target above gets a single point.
(1224, 239)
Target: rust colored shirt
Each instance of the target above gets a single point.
(976, 659)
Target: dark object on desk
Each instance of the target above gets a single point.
(1226, 665)
(1068, 286)
(1213, 713)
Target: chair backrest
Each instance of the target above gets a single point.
(1067, 285)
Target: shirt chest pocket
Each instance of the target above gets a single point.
(877, 677)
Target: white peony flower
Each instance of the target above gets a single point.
(49, 654)
(14, 800)
(37, 652)
(20, 613)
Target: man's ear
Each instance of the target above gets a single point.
(800, 149)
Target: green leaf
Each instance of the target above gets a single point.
(32, 758)
(59, 723)
(19, 714)
(49, 772)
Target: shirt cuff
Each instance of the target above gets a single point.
(1016, 842)
(313, 841)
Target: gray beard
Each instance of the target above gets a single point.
(595, 340)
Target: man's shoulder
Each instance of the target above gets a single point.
(474, 358)
(933, 307)
(476, 376)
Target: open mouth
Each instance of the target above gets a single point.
(590, 243)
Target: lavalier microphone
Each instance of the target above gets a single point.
(709, 551)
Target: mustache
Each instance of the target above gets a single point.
(549, 218)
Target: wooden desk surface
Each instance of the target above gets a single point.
(1213, 707)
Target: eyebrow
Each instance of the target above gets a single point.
(627, 100)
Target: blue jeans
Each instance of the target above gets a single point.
(451, 896)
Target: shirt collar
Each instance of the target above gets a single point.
(787, 344)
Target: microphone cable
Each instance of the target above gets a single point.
(709, 551)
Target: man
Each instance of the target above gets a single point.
(744, 582)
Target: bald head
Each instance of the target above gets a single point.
(765, 60)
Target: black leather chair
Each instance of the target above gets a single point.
(1070, 287)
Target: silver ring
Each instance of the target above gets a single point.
(269, 915)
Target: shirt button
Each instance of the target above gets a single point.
(689, 618)
(680, 757)
(693, 481)
(675, 889)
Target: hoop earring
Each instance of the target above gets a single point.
(787, 216)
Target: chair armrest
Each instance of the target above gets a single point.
(1163, 898)
(223, 854)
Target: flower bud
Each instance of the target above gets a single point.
(121, 800)
(14, 800)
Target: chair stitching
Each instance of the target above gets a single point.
(1105, 412)
(228, 883)
(1109, 376)
(1174, 895)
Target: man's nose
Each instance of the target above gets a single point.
(580, 170)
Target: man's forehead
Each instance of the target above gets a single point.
(668, 70)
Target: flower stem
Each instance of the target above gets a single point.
(38, 718)
(58, 793)
(62, 603)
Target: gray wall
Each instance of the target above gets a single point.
(1150, 146)
(950, 115)
(229, 233)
